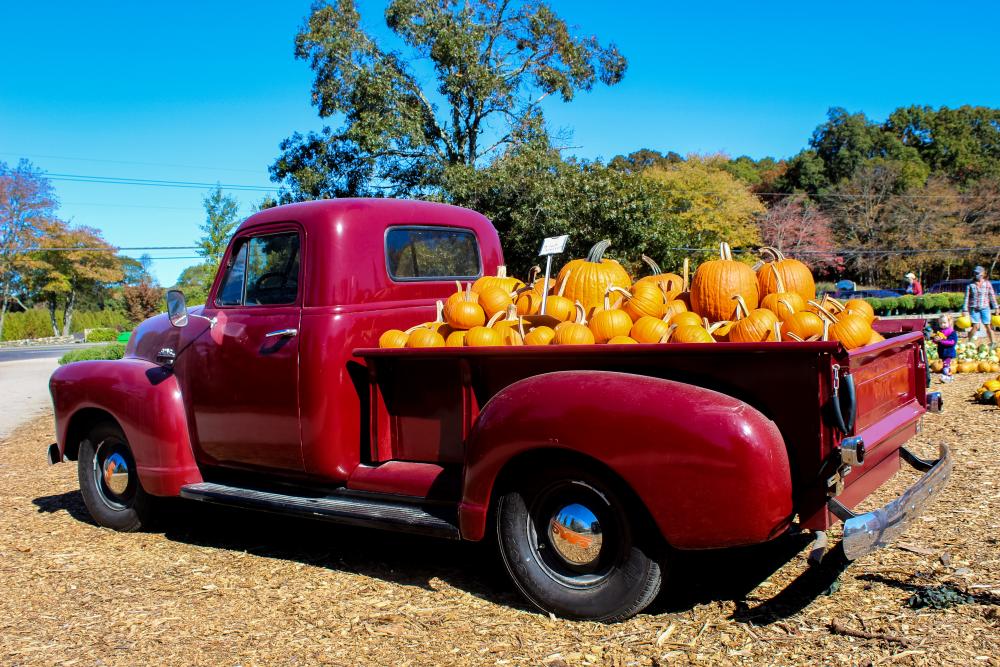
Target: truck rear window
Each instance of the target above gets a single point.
(431, 253)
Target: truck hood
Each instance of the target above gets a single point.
(155, 334)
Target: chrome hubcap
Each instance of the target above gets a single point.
(575, 534)
(116, 474)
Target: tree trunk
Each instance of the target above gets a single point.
(3, 305)
(68, 313)
(52, 315)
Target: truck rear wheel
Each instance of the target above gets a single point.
(109, 481)
(575, 546)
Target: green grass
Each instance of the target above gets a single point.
(110, 351)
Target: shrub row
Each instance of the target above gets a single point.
(110, 351)
(35, 323)
(924, 304)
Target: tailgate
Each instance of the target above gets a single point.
(890, 392)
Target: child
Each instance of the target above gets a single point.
(946, 339)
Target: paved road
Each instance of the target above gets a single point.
(24, 382)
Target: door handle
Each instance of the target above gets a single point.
(282, 333)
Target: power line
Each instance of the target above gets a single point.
(88, 203)
(116, 180)
(145, 164)
(110, 248)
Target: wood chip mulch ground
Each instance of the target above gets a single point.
(228, 588)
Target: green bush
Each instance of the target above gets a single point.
(907, 303)
(35, 323)
(890, 304)
(110, 351)
(956, 300)
(102, 335)
(942, 302)
(877, 304)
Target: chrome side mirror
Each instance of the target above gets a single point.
(177, 308)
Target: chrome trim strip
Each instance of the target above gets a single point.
(282, 333)
(864, 533)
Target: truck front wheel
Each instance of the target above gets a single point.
(575, 546)
(109, 481)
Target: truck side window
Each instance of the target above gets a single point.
(431, 253)
(272, 270)
(231, 291)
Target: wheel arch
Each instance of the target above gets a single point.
(709, 469)
(80, 423)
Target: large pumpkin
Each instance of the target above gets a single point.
(717, 281)
(795, 276)
(588, 279)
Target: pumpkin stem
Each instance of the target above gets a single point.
(533, 273)
(718, 325)
(787, 304)
(824, 314)
(440, 311)
(826, 330)
(468, 291)
(839, 305)
(458, 287)
(596, 253)
(502, 271)
(665, 338)
(741, 304)
(775, 254)
(493, 320)
(756, 265)
(562, 287)
(794, 336)
(779, 283)
(687, 272)
(704, 323)
(581, 313)
(412, 329)
(777, 331)
(653, 266)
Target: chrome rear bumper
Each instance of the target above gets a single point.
(864, 533)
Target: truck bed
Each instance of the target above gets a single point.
(423, 403)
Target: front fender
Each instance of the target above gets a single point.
(711, 470)
(146, 401)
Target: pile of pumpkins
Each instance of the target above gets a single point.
(989, 392)
(970, 358)
(593, 300)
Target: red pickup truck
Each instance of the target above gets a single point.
(591, 464)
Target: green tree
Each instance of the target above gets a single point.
(644, 158)
(195, 281)
(492, 64)
(27, 207)
(962, 144)
(221, 219)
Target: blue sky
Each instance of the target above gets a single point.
(204, 92)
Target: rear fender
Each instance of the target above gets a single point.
(711, 470)
(145, 400)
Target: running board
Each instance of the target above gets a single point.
(400, 517)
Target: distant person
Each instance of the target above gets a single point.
(980, 299)
(946, 338)
(913, 285)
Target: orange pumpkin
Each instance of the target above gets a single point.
(460, 294)
(557, 305)
(588, 279)
(685, 318)
(752, 326)
(688, 333)
(860, 307)
(393, 338)
(487, 335)
(609, 322)
(622, 340)
(670, 284)
(649, 329)
(500, 280)
(494, 300)
(537, 283)
(464, 312)
(576, 332)
(851, 329)
(876, 337)
(539, 336)
(673, 307)
(528, 301)
(421, 337)
(795, 276)
(511, 326)
(717, 281)
(456, 339)
(782, 303)
(643, 299)
(804, 324)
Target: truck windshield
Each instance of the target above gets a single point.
(431, 253)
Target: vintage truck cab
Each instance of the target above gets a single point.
(589, 464)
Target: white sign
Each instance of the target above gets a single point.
(553, 245)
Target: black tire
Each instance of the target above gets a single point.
(129, 509)
(604, 573)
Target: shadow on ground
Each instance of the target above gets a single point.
(692, 578)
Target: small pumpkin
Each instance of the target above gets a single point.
(393, 338)
(876, 337)
(673, 307)
(495, 300)
(670, 284)
(937, 365)
(622, 340)
(804, 324)
(456, 338)
(575, 332)
(649, 329)
(558, 305)
(643, 299)
(852, 330)
(586, 280)
(462, 294)
(861, 307)
(464, 312)
(501, 280)
(609, 322)
(539, 336)
(782, 303)
(421, 337)
(689, 333)
(486, 335)
(528, 301)
(537, 283)
(687, 317)
(751, 326)
(717, 281)
(795, 276)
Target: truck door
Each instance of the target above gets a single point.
(242, 374)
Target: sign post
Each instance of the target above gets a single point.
(554, 245)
